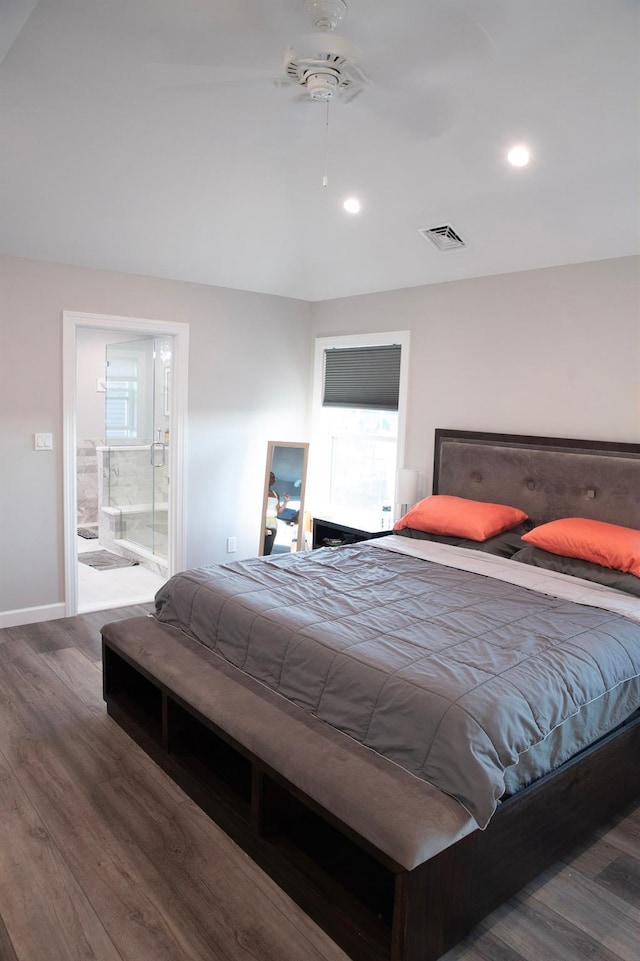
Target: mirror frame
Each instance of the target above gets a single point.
(271, 447)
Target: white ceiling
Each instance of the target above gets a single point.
(109, 158)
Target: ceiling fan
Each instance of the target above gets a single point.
(325, 63)
(322, 62)
(407, 85)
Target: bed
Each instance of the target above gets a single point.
(375, 724)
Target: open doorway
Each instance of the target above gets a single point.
(125, 388)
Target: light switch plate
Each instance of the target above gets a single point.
(43, 441)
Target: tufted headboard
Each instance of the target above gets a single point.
(548, 477)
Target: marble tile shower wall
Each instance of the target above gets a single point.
(133, 504)
(127, 478)
(87, 481)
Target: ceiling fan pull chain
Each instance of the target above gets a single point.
(325, 179)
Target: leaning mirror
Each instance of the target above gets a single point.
(284, 527)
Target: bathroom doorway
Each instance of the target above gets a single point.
(123, 469)
(133, 462)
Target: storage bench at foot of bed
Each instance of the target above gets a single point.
(357, 893)
(211, 729)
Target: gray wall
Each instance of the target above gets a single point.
(248, 384)
(553, 351)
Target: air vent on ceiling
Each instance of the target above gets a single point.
(445, 237)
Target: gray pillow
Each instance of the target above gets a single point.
(503, 545)
(578, 568)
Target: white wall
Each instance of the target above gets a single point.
(249, 363)
(544, 352)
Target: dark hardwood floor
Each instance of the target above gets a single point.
(103, 858)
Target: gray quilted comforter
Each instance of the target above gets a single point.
(450, 674)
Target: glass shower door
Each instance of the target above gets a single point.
(135, 485)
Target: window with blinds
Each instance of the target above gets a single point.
(359, 393)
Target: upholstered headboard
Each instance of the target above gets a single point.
(547, 477)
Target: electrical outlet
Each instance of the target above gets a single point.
(232, 546)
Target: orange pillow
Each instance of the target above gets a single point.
(595, 541)
(460, 517)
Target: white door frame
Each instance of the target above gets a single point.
(71, 321)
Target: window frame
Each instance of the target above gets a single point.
(319, 467)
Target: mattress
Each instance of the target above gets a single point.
(457, 667)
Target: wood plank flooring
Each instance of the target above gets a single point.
(103, 858)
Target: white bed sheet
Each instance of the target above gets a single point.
(537, 579)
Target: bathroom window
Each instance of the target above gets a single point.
(121, 400)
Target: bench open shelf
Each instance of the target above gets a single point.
(349, 889)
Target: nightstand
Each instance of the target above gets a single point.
(334, 533)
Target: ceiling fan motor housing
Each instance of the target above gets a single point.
(321, 86)
(323, 63)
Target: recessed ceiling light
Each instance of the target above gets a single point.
(519, 156)
(352, 205)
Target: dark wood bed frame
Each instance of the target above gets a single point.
(366, 901)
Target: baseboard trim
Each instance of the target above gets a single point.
(32, 615)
